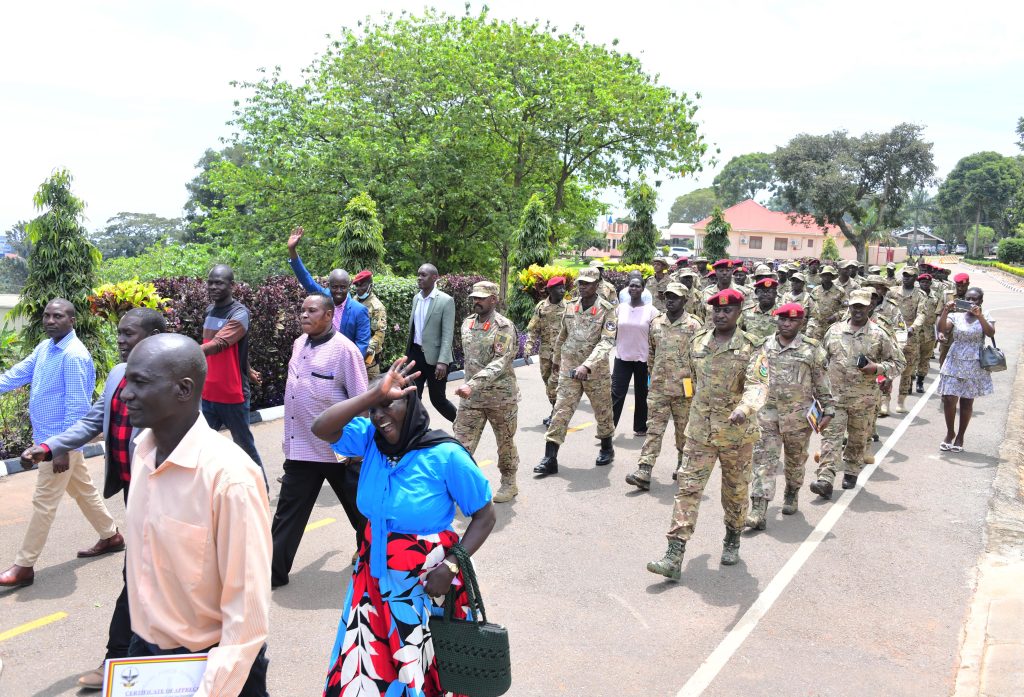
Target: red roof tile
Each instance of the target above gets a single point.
(751, 216)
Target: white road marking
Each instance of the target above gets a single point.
(636, 615)
(714, 663)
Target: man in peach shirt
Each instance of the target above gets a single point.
(198, 527)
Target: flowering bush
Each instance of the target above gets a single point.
(535, 278)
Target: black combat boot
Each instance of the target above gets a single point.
(822, 489)
(549, 463)
(607, 453)
(849, 480)
(731, 547)
(920, 384)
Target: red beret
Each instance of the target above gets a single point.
(767, 283)
(794, 310)
(744, 269)
(682, 260)
(362, 276)
(936, 267)
(722, 263)
(729, 296)
(554, 281)
(710, 274)
(924, 276)
(961, 278)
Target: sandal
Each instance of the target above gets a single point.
(945, 447)
(956, 448)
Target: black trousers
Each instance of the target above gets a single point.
(119, 635)
(622, 373)
(436, 387)
(255, 685)
(299, 490)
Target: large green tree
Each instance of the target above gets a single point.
(694, 206)
(744, 177)
(130, 234)
(62, 264)
(859, 184)
(641, 240)
(983, 188)
(17, 238)
(450, 123)
(203, 199)
(533, 236)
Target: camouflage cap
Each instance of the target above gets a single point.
(861, 296)
(876, 280)
(827, 271)
(687, 272)
(763, 270)
(848, 264)
(678, 289)
(891, 265)
(587, 275)
(874, 269)
(909, 271)
(597, 264)
(662, 260)
(798, 276)
(484, 289)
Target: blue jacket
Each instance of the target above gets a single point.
(355, 323)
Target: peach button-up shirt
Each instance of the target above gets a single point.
(199, 549)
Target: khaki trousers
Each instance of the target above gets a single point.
(50, 489)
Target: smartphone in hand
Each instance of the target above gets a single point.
(862, 361)
(963, 306)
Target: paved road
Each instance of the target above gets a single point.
(876, 607)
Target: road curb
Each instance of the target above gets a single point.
(13, 465)
(992, 650)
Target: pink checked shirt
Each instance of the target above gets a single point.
(320, 373)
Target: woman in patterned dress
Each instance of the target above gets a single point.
(410, 482)
(962, 379)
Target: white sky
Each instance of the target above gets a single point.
(128, 94)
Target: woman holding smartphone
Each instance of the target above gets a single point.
(962, 379)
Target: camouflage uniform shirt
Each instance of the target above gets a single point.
(760, 323)
(586, 337)
(798, 375)
(544, 327)
(843, 344)
(726, 378)
(668, 360)
(489, 349)
(378, 326)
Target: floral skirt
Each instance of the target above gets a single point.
(383, 645)
(964, 378)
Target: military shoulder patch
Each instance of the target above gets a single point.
(609, 326)
(762, 365)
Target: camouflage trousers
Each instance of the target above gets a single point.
(910, 351)
(659, 408)
(768, 451)
(855, 419)
(926, 350)
(504, 420)
(373, 372)
(570, 391)
(549, 374)
(693, 477)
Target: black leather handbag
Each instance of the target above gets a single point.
(472, 655)
(992, 358)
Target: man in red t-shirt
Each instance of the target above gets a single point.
(226, 346)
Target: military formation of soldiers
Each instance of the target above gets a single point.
(745, 366)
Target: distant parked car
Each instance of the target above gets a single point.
(677, 252)
(960, 249)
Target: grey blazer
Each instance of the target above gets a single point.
(95, 422)
(438, 328)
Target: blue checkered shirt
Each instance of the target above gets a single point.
(62, 378)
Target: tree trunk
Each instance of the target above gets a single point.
(977, 231)
(859, 242)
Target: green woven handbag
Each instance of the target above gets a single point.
(472, 655)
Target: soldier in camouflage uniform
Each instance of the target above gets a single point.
(813, 274)
(847, 280)
(585, 339)
(912, 303)
(362, 288)
(855, 389)
(671, 386)
(890, 277)
(723, 278)
(798, 376)
(799, 294)
(739, 276)
(604, 288)
(827, 304)
(759, 319)
(543, 330)
(886, 313)
(730, 374)
(692, 304)
(490, 393)
(657, 283)
(932, 309)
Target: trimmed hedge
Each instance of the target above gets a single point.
(1008, 268)
(1010, 250)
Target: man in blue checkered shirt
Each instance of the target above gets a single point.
(62, 376)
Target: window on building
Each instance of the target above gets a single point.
(781, 244)
(754, 243)
(810, 244)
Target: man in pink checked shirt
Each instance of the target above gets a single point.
(325, 368)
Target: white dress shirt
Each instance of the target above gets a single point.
(420, 316)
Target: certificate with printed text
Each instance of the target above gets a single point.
(154, 676)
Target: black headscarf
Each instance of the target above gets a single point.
(416, 432)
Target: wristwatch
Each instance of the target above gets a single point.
(452, 566)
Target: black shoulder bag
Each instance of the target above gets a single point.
(472, 655)
(992, 358)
